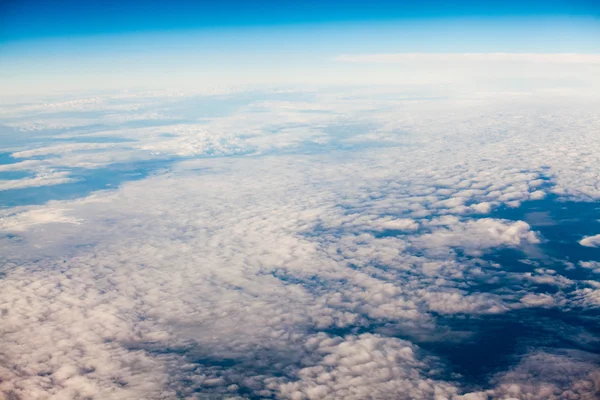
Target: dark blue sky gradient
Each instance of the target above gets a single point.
(29, 19)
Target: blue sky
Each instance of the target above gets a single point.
(49, 46)
(35, 19)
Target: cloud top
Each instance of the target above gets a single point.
(590, 241)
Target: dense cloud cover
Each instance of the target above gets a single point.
(335, 244)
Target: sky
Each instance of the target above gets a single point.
(39, 19)
(71, 45)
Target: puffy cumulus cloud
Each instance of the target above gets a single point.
(590, 241)
(73, 345)
(478, 235)
(551, 376)
(400, 224)
(366, 366)
(537, 195)
(461, 302)
(589, 295)
(543, 276)
(255, 275)
(591, 265)
(231, 265)
(538, 300)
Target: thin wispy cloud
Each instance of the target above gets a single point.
(393, 58)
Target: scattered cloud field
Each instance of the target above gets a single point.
(338, 243)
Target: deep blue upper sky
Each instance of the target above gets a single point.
(28, 19)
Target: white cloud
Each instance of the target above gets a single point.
(366, 366)
(537, 195)
(201, 260)
(562, 58)
(590, 241)
(475, 236)
(63, 149)
(541, 375)
(46, 177)
(538, 300)
(214, 277)
(26, 220)
(593, 265)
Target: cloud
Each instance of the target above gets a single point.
(225, 265)
(538, 300)
(293, 266)
(592, 265)
(542, 375)
(537, 195)
(26, 220)
(366, 366)
(478, 235)
(590, 241)
(562, 58)
(46, 177)
(63, 149)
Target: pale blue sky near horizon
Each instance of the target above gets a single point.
(67, 45)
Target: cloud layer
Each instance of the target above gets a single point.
(326, 246)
